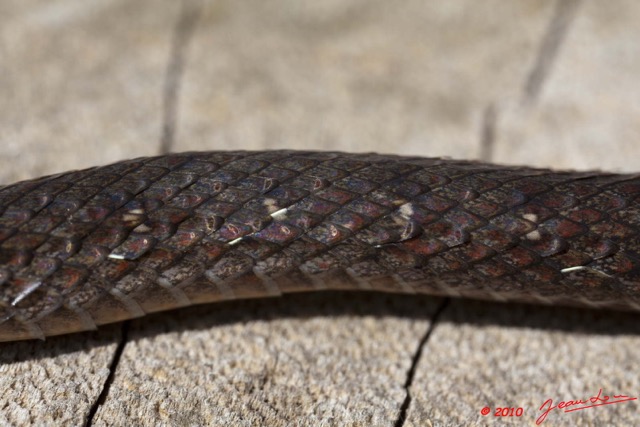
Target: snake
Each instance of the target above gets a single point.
(111, 243)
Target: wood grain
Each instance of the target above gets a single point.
(363, 76)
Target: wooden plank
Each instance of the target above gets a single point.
(578, 107)
(88, 84)
(491, 356)
(81, 83)
(79, 86)
(354, 76)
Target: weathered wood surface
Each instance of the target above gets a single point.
(538, 82)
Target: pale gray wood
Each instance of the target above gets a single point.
(585, 112)
(88, 83)
(80, 82)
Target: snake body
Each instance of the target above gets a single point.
(101, 245)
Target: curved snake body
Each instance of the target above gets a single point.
(110, 243)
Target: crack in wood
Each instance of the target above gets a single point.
(563, 16)
(402, 416)
(182, 34)
(115, 361)
(488, 132)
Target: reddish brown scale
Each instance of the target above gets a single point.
(367, 208)
(434, 203)
(328, 234)
(424, 246)
(564, 227)
(105, 244)
(278, 233)
(134, 247)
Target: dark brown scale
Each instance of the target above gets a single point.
(110, 243)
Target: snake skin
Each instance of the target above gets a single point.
(105, 244)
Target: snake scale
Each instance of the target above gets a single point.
(101, 245)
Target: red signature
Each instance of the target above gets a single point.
(591, 402)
